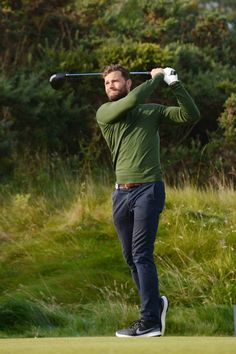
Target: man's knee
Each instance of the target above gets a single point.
(129, 259)
(142, 258)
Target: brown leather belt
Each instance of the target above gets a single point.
(128, 185)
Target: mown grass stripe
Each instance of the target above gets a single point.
(112, 345)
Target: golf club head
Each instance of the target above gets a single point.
(57, 80)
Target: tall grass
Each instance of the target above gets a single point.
(61, 262)
(198, 253)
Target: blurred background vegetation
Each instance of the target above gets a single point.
(41, 37)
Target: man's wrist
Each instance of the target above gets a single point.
(174, 83)
(159, 76)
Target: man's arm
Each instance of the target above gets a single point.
(112, 112)
(187, 110)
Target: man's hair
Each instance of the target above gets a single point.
(116, 67)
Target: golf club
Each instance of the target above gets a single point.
(57, 80)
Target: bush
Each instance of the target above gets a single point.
(133, 55)
(220, 151)
(227, 120)
(42, 118)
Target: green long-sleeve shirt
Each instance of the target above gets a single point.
(130, 128)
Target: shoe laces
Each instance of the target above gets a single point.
(135, 324)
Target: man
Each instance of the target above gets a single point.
(130, 128)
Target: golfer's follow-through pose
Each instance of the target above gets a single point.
(130, 127)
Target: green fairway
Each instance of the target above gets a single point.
(94, 345)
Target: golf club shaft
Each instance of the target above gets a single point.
(57, 80)
(95, 74)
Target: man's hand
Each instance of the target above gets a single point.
(157, 71)
(170, 76)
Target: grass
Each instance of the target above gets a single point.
(171, 345)
(61, 264)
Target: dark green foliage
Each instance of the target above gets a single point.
(26, 24)
(222, 145)
(40, 38)
(6, 144)
(42, 118)
(17, 315)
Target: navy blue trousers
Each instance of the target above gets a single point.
(136, 214)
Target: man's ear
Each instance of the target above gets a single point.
(129, 83)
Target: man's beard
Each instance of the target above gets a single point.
(119, 94)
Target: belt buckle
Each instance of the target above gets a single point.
(121, 186)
